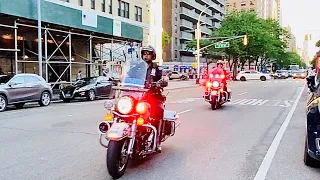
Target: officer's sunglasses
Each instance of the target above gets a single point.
(146, 53)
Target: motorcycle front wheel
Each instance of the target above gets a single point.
(117, 158)
(214, 103)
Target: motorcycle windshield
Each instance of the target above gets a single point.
(134, 78)
(134, 75)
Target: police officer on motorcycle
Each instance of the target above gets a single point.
(220, 70)
(154, 74)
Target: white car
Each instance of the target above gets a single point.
(178, 75)
(252, 75)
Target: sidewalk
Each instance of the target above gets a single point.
(173, 84)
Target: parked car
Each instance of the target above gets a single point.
(23, 88)
(312, 138)
(178, 75)
(252, 75)
(281, 74)
(89, 88)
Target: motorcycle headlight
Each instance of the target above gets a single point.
(215, 84)
(125, 105)
(108, 104)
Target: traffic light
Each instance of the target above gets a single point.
(245, 40)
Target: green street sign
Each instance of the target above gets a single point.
(222, 45)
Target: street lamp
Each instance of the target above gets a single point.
(198, 36)
(39, 38)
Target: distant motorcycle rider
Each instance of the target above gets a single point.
(154, 74)
(221, 71)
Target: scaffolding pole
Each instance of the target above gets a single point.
(46, 51)
(39, 38)
(70, 56)
(16, 46)
(90, 56)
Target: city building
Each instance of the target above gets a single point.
(155, 32)
(305, 53)
(291, 41)
(179, 20)
(95, 36)
(265, 8)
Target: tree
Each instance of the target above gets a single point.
(313, 62)
(165, 39)
(265, 43)
(318, 43)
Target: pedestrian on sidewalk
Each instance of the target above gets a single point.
(79, 76)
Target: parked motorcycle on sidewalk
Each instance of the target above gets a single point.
(127, 131)
(215, 93)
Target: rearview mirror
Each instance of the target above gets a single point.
(164, 83)
(311, 83)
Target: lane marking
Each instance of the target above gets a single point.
(242, 93)
(266, 163)
(183, 112)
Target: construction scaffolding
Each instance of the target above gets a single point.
(70, 50)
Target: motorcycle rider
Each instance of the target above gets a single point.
(154, 74)
(221, 71)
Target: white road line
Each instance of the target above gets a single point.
(242, 93)
(266, 163)
(182, 112)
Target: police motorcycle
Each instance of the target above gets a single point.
(215, 93)
(127, 131)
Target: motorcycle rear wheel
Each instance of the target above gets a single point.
(117, 158)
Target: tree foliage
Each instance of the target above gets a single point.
(318, 43)
(165, 39)
(313, 62)
(265, 40)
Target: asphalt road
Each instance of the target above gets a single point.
(61, 141)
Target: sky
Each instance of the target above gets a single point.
(303, 16)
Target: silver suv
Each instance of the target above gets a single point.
(22, 88)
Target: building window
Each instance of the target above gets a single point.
(123, 9)
(176, 42)
(234, 4)
(175, 28)
(93, 4)
(251, 3)
(103, 5)
(175, 54)
(138, 14)
(110, 6)
(243, 3)
(176, 16)
(251, 10)
(80, 2)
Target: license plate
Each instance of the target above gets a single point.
(214, 93)
(67, 95)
